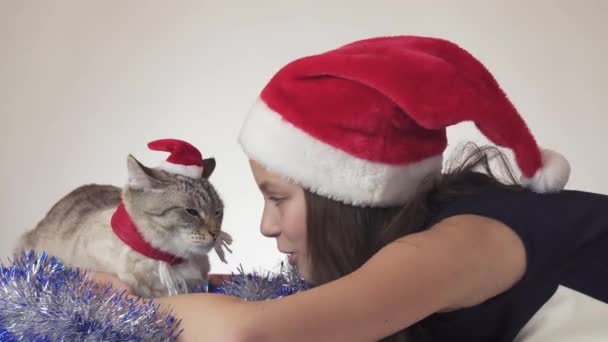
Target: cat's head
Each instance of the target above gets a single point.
(174, 213)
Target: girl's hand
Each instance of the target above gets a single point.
(105, 278)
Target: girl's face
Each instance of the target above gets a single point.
(284, 216)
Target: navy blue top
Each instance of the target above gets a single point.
(566, 240)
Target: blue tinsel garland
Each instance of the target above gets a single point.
(43, 301)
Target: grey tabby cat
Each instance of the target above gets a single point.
(176, 215)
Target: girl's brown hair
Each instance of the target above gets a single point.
(343, 237)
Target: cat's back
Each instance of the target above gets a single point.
(77, 207)
(79, 217)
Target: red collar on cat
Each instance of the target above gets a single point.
(125, 229)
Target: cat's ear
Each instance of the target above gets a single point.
(208, 167)
(140, 176)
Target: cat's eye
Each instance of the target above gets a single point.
(192, 212)
(218, 213)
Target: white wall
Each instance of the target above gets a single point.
(84, 83)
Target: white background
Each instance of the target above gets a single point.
(84, 83)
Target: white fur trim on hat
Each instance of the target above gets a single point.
(323, 169)
(192, 171)
(552, 177)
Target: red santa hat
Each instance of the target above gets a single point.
(366, 123)
(185, 159)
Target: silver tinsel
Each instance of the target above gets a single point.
(256, 286)
(43, 301)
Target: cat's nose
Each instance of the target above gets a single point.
(214, 233)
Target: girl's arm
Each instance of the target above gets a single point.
(460, 262)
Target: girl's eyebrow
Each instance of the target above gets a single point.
(265, 186)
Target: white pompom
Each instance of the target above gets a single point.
(552, 177)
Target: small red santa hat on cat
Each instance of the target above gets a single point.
(185, 159)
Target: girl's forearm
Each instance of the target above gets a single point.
(208, 317)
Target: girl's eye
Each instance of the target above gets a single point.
(276, 200)
(193, 212)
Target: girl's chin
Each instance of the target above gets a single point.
(292, 259)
